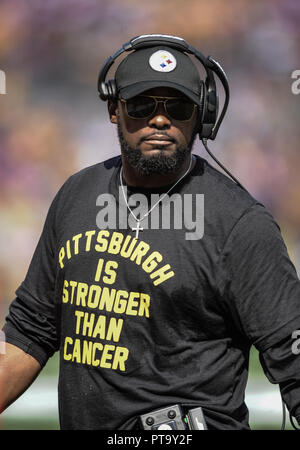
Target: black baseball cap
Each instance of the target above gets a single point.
(159, 66)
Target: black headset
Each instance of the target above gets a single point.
(209, 102)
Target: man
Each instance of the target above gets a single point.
(154, 274)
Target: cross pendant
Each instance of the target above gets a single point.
(137, 229)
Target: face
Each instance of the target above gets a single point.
(156, 144)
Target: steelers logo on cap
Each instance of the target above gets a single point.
(162, 61)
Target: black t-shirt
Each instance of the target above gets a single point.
(163, 319)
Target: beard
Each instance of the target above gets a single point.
(156, 164)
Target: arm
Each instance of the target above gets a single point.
(281, 365)
(30, 329)
(17, 371)
(262, 291)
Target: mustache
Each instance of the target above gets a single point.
(155, 133)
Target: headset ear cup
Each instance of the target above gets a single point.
(210, 112)
(202, 105)
(102, 91)
(111, 89)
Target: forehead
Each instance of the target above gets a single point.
(164, 92)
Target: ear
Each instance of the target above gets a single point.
(112, 110)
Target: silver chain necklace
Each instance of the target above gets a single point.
(138, 228)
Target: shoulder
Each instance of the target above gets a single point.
(227, 206)
(87, 177)
(220, 187)
(85, 183)
(103, 169)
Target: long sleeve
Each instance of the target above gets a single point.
(31, 322)
(261, 290)
(281, 364)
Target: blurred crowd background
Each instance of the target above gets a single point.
(52, 122)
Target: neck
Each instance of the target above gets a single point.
(133, 178)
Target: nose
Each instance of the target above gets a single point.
(160, 119)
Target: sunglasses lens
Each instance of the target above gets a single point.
(140, 107)
(180, 109)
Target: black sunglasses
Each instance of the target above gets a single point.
(144, 106)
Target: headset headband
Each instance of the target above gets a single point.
(209, 123)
